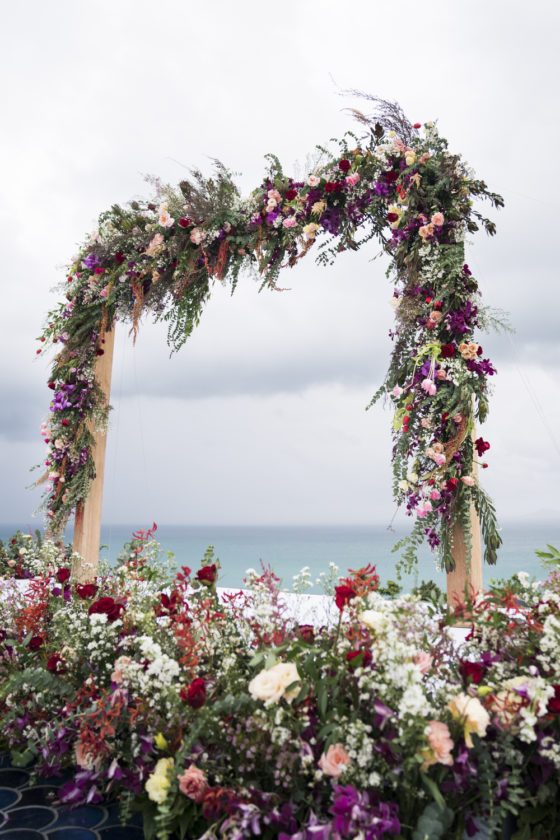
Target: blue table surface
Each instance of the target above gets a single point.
(27, 812)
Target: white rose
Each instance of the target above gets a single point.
(374, 620)
(403, 485)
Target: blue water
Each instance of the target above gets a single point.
(287, 549)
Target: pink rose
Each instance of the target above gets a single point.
(353, 179)
(333, 762)
(437, 219)
(193, 783)
(313, 181)
(289, 222)
(423, 660)
(435, 495)
(468, 480)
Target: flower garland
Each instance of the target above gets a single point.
(398, 184)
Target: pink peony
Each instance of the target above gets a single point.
(333, 762)
(290, 222)
(435, 495)
(193, 783)
(353, 179)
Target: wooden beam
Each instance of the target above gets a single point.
(466, 574)
(87, 523)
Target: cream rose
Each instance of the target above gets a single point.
(373, 619)
(270, 684)
(471, 713)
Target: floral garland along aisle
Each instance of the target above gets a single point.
(398, 184)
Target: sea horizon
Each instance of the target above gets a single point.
(289, 548)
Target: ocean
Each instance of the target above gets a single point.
(289, 548)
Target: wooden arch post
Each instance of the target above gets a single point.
(87, 523)
(466, 575)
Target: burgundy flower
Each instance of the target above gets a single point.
(473, 670)
(119, 257)
(290, 194)
(451, 484)
(392, 217)
(554, 702)
(307, 632)
(169, 605)
(482, 446)
(207, 574)
(447, 351)
(194, 694)
(35, 643)
(62, 575)
(352, 657)
(330, 186)
(344, 165)
(86, 590)
(185, 222)
(109, 606)
(391, 177)
(343, 594)
(56, 664)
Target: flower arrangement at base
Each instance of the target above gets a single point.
(221, 715)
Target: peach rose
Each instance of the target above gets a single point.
(155, 245)
(441, 744)
(197, 235)
(437, 219)
(333, 762)
(119, 670)
(193, 783)
(313, 181)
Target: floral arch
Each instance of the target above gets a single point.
(396, 183)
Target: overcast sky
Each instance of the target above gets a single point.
(260, 418)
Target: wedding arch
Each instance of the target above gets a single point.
(396, 183)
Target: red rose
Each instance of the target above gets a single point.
(119, 257)
(307, 632)
(344, 165)
(35, 643)
(482, 446)
(62, 575)
(107, 605)
(391, 177)
(185, 222)
(99, 352)
(392, 217)
(444, 416)
(474, 670)
(52, 386)
(447, 351)
(417, 125)
(554, 702)
(330, 187)
(86, 590)
(194, 694)
(343, 594)
(66, 422)
(56, 664)
(438, 304)
(290, 194)
(207, 574)
(451, 484)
